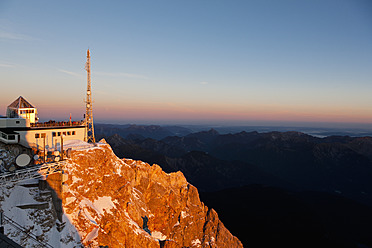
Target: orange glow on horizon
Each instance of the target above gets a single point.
(160, 111)
(215, 113)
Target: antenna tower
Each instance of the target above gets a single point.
(89, 128)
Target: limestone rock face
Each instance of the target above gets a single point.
(107, 200)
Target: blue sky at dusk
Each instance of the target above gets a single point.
(236, 62)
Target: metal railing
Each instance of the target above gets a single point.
(33, 172)
(58, 124)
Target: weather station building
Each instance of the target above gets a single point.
(21, 126)
(23, 134)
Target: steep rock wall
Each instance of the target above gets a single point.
(107, 200)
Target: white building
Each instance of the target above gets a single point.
(21, 126)
(21, 108)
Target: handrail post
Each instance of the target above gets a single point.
(2, 222)
(44, 149)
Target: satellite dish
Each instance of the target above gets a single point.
(36, 157)
(23, 160)
(56, 159)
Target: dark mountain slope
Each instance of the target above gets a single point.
(210, 174)
(202, 170)
(331, 164)
(272, 217)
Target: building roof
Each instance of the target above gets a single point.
(20, 103)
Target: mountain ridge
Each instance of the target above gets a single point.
(101, 200)
(332, 164)
(171, 205)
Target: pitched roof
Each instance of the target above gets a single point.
(20, 103)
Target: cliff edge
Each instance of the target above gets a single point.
(126, 203)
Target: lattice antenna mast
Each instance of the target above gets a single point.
(89, 128)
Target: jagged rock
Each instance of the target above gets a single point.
(107, 198)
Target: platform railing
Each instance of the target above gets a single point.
(58, 124)
(36, 171)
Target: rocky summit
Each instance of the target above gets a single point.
(112, 202)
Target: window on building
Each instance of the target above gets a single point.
(37, 135)
(17, 122)
(59, 133)
(73, 132)
(43, 135)
(54, 134)
(64, 133)
(68, 133)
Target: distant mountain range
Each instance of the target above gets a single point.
(162, 131)
(149, 131)
(294, 160)
(269, 188)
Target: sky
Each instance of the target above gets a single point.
(190, 62)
